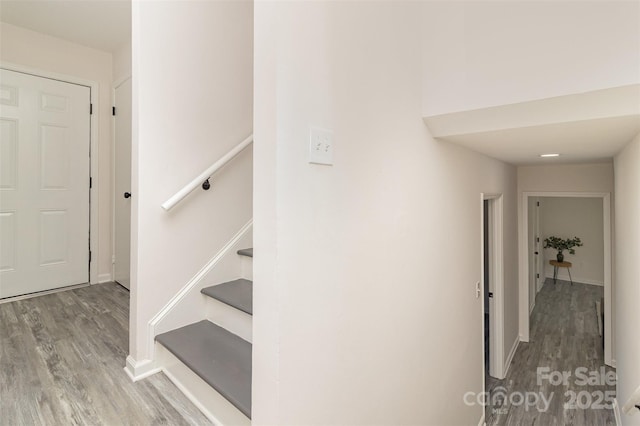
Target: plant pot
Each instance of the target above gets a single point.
(560, 257)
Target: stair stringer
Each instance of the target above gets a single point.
(189, 305)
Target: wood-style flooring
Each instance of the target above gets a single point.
(564, 335)
(61, 363)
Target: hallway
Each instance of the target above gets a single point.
(564, 336)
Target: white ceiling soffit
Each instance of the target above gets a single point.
(585, 127)
(100, 24)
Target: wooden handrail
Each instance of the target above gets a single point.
(186, 190)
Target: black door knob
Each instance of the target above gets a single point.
(127, 195)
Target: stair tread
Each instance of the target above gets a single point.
(218, 357)
(237, 293)
(246, 252)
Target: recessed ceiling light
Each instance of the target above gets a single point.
(549, 155)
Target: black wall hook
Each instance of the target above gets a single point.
(206, 185)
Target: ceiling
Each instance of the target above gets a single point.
(101, 24)
(596, 140)
(582, 128)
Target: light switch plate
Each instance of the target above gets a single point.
(320, 146)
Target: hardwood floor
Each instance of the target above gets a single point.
(564, 336)
(61, 362)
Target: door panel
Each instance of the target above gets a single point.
(44, 183)
(541, 259)
(487, 284)
(8, 154)
(8, 241)
(533, 252)
(122, 183)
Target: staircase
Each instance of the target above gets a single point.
(210, 360)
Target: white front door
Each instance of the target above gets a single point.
(44, 183)
(122, 160)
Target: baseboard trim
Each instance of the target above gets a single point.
(104, 278)
(629, 407)
(42, 293)
(616, 412)
(481, 422)
(138, 370)
(210, 265)
(565, 277)
(512, 352)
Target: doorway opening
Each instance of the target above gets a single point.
(122, 93)
(492, 287)
(486, 292)
(534, 269)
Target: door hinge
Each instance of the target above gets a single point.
(89, 255)
(90, 182)
(113, 110)
(90, 109)
(538, 203)
(537, 275)
(537, 239)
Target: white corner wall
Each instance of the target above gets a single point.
(501, 52)
(192, 102)
(122, 62)
(364, 304)
(568, 218)
(42, 52)
(627, 267)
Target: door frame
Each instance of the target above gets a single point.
(497, 368)
(94, 153)
(117, 83)
(523, 238)
(534, 278)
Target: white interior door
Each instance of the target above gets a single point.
(540, 248)
(122, 160)
(532, 252)
(44, 183)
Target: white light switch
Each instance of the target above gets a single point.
(320, 146)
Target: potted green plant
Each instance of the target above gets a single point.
(561, 245)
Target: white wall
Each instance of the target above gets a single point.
(489, 53)
(192, 102)
(566, 178)
(627, 299)
(45, 53)
(364, 304)
(568, 218)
